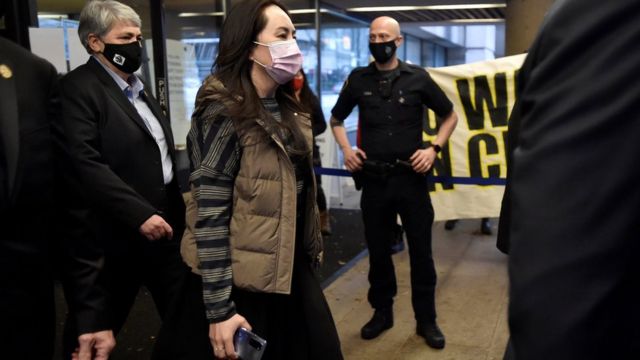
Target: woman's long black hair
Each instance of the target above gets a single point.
(232, 67)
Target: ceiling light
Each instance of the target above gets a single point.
(194, 14)
(303, 25)
(476, 21)
(302, 11)
(426, 7)
(201, 41)
(52, 16)
(305, 11)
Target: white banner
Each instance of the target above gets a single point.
(483, 95)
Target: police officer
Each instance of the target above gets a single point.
(391, 165)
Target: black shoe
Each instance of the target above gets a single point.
(485, 226)
(450, 224)
(432, 334)
(382, 320)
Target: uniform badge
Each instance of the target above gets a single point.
(5, 71)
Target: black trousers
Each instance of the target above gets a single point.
(185, 332)
(159, 267)
(296, 326)
(405, 194)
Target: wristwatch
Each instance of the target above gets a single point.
(436, 148)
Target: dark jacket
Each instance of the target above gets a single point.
(574, 196)
(29, 105)
(115, 164)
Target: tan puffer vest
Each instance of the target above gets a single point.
(263, 223)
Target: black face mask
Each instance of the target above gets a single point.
(383, 52)
(126, 57)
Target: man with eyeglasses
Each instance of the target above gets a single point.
(390, 164)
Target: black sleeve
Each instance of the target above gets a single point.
(82, 271)
(346, 101)
(574, 190)
(81, 260)
(434, 98)
(318, 122)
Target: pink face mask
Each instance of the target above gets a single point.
(286, 60)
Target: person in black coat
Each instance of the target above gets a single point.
(571, 216)
(29, 210)
(122, 159)
(28, 108)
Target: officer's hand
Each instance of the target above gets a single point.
(422, 160)
(353, 159)
(155, 228)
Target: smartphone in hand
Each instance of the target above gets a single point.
(249, 346)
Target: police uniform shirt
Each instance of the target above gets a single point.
(391, 106)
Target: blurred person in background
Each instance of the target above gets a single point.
(29, 107)
(569, 218)
(30, 216)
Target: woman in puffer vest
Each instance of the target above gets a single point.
(255, 220)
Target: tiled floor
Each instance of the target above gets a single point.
(471, 301)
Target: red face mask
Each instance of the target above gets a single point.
(297, 83)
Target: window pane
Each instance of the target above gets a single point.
(344, 46)
(413, 54)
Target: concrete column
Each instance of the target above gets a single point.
(523, 18)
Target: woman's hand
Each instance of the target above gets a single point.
(221, 336)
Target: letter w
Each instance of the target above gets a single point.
(475, 111)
